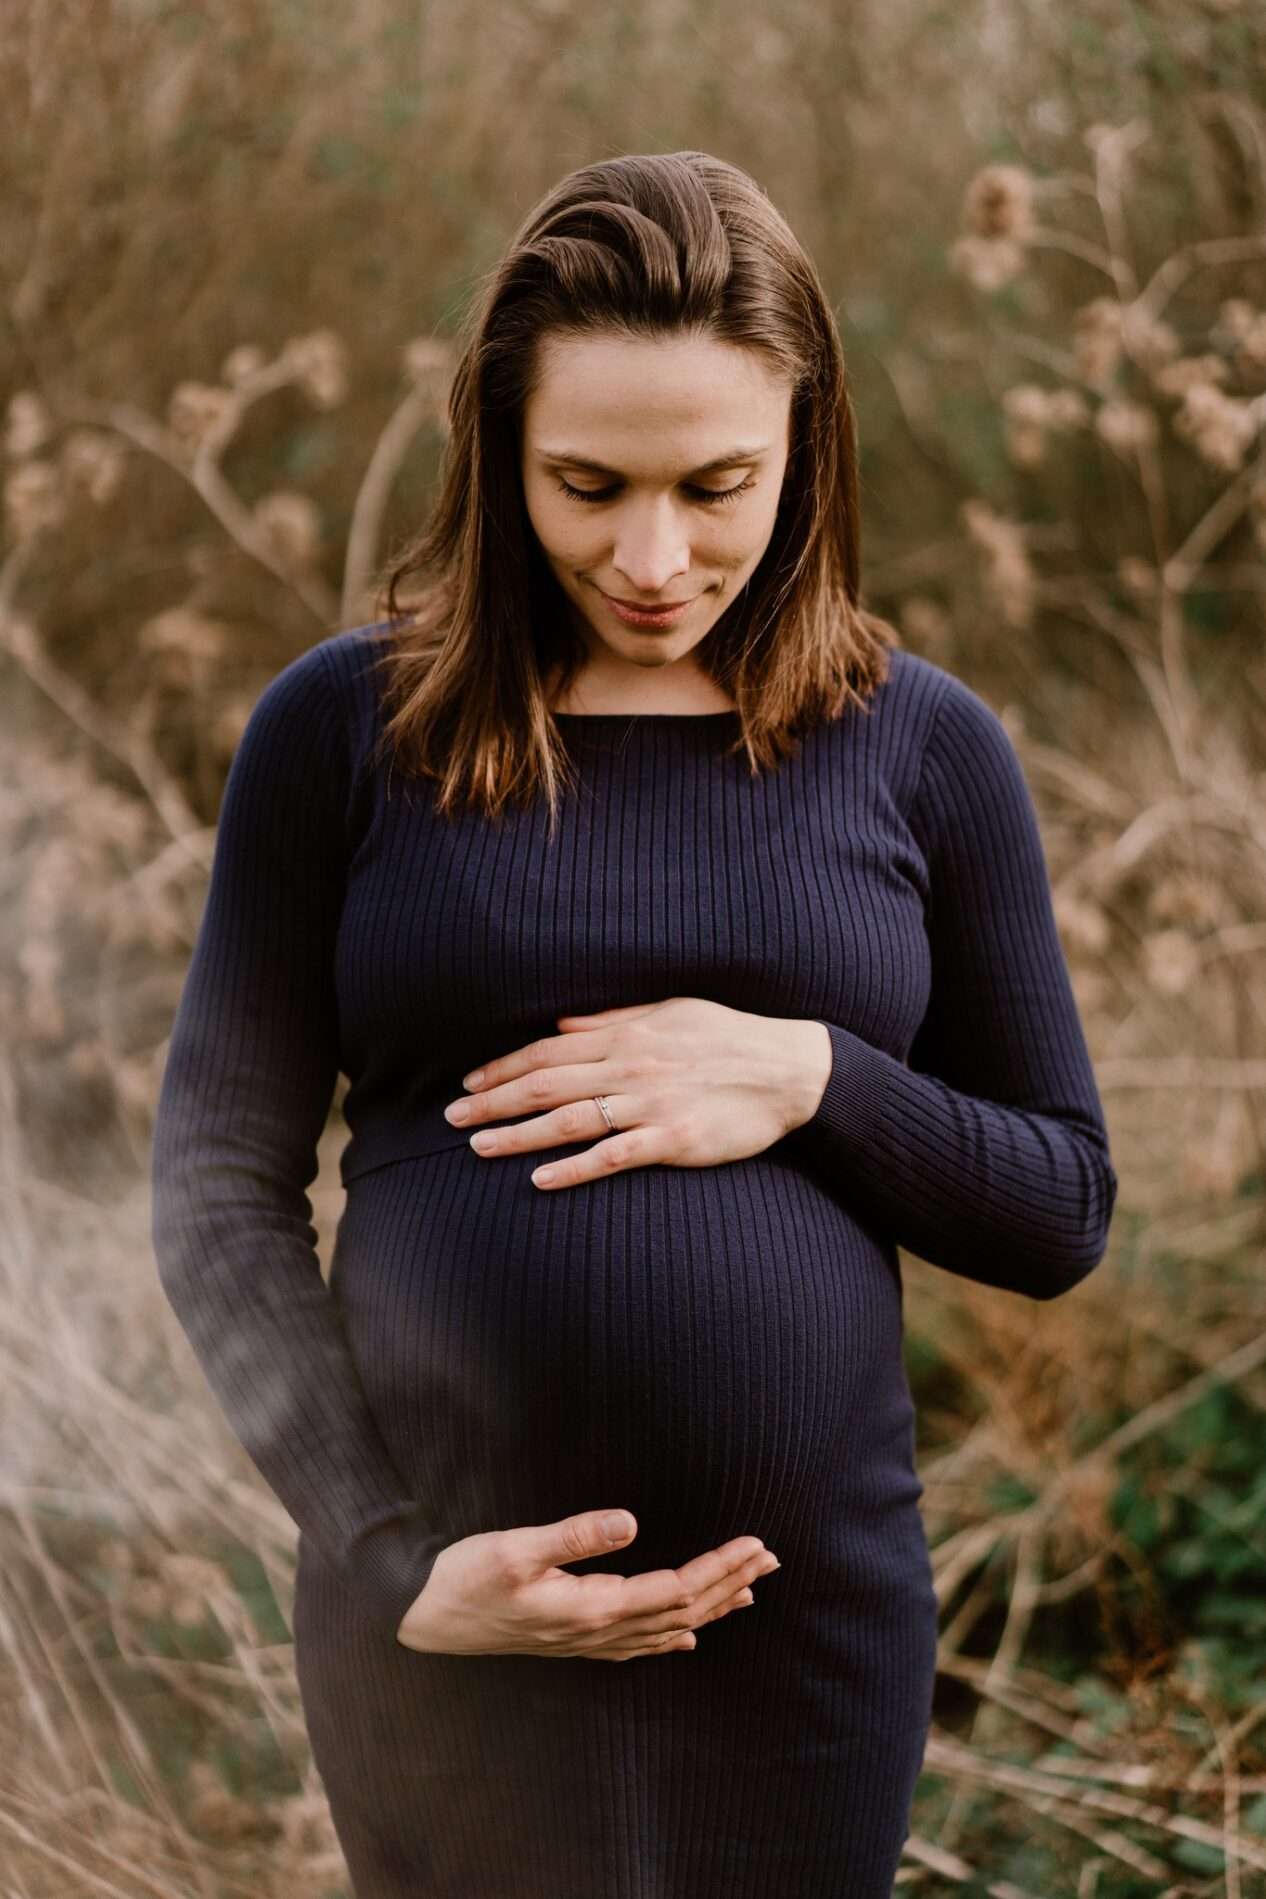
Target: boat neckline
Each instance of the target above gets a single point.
(667, 718)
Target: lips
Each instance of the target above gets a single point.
(645, 606)
(649, 618)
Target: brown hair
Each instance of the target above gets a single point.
(645, 245)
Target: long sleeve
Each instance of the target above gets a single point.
(248, 1083)
(987, 1154)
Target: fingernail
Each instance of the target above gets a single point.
(474, 1078)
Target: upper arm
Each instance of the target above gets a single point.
(254, 1048)
(1002, 1021)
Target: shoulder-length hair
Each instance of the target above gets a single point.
(648, 246)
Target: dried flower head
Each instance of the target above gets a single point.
(1146, 338)
(987, 263)
(1171, 961)
(93, 464)
(1031, 412)
(34, 499)
(1222, 1153)
(1187, 897)
(426, 356)
(1082, 923)
(184, 641)
(291, 524)
(925, 621)
(1024, 408)
(196, 410)
(319, 364)
(1067, 409)
(1219, 427)
(1137, 576)
(1097, 327)
(1126, 426)
(1244, 327)
(998, 202)
(29, 425)
(1176, 378)
(1007, 570)
(428, 363)
(243, 362)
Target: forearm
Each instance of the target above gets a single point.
(238, 1266)
(1008, 1196)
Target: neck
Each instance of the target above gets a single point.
(688, 692)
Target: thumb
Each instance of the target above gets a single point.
(589, 1533)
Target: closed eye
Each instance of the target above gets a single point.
(709, 497)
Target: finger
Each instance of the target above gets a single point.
(658, 1637)
(548, 1051)
(632, 1147)
(628, 1012)
(626, 1648)
(656, 1592)
(572, 1121)
(711, 1603)
(678, 1645)
(672, 1638)
(538, 1088)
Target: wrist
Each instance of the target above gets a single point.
(810, 1057)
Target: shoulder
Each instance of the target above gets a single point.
(944, 698)
(334, 668)
(969, 782)
(891, 734)
(350, 656)
(931, 718)
(323, 700)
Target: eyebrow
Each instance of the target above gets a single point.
(745, 452)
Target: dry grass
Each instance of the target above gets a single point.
(1057, 314)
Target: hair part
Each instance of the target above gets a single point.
(660, 245)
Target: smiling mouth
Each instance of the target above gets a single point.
(646, 606)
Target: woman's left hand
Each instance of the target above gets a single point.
(687, 1082)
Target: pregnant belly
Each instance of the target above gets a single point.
(716, 1349)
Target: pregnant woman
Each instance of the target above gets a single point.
(688, 948)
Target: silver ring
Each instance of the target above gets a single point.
(606, 1112)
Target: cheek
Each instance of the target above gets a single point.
(557, 531)
(757, 537)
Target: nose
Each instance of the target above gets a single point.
(651, 549)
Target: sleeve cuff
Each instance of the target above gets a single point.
(856, 1095)
(390, 1565)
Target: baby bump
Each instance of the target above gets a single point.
(717, 1349)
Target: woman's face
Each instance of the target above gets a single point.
(649, 522)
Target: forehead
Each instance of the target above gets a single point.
(673, 400)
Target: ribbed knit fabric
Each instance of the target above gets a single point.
(717, 1349)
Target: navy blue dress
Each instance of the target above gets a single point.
(717, 1349)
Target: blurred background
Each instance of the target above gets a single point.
(236, 243)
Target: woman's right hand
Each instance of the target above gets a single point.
(502, 1592)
